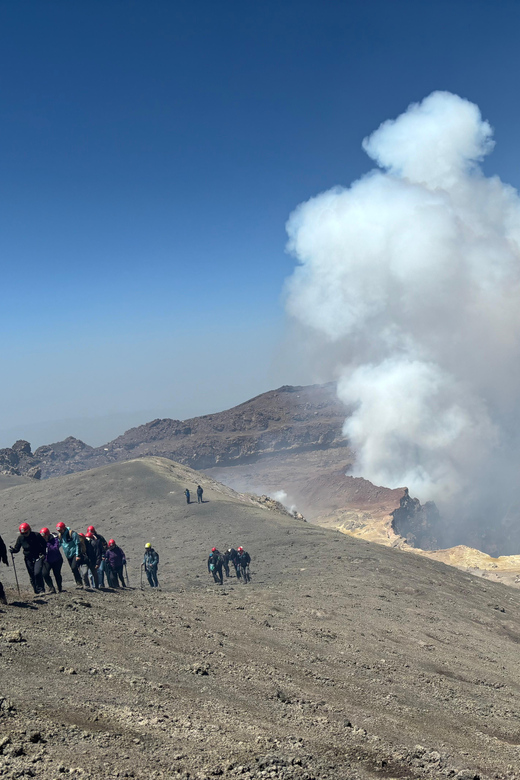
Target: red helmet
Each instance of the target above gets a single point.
(240, 549)
(91, 530)
(61, 527)
(80, 534)
(45, 532)
(111, 543)
(90, 535)
(213, 549)
(24, 528)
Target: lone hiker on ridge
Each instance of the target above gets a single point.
(199, 494)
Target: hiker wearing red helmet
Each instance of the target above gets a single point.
(53, 561)
(115, 560)
(100, 546)
(70, 542)
(94, 555)
(34, 549)
(215, 565)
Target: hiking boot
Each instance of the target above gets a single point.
(3, 599)
(52, 590)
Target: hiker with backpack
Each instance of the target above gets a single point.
(3, 558)
(225, 562)
(103, 545)
(215, 565)
(232, 556)
(70, 543)
(53, 561)
(187, 494)
(150, 563)
(199, 494)
(244, 559)
(115, 560)
(94, 554)
(83, 563)
(34, 549)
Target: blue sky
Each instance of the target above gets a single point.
(150, 155)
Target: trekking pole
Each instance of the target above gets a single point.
(15, 575)
(142, 565)
(127, 580)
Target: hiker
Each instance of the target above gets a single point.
(187, 494)
(83, 563)
(244, 559)
(69, 541)
(104, 545)
(225, 562)
(215, 565)
(53, 561)
(232, 556)
(34, 549)
(3, 558)
(199, 494)
(150, 563)
(94, 555)
(115, 560)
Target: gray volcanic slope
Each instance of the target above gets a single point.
(341, 659)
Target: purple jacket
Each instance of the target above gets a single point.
(115, 557)
(53, 550)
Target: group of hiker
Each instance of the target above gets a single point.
(200, 491)
(218, 561)
(89, 556)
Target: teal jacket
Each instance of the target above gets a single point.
(70, 543)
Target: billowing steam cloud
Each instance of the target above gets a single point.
(412, 276)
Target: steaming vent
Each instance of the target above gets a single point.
(408, 283)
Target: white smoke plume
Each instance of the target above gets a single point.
(412, 276)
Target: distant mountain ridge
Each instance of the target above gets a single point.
(289, 419)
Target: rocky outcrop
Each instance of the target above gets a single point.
(417, 523)
(289, 419)
(19, 460)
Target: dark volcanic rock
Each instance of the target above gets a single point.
(417, 523)
(290, 419)
(18, 460)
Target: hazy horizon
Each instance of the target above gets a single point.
(151, 155)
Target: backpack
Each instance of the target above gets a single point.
(81, 544)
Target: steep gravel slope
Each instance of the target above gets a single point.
(342, 658)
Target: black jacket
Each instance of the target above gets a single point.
(232, 556)
(3, 552)
(94, 550)
(244, 558)
(32, 545)
(215, 558)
